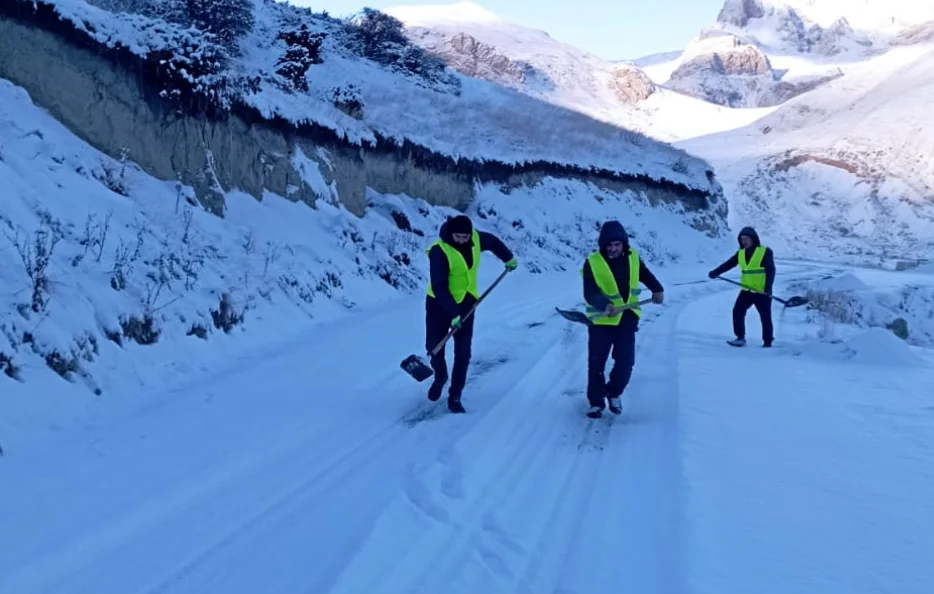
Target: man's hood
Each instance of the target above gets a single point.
(751, 233)
(446, 235)
(612, 231)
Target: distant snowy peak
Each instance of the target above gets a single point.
(826, 27)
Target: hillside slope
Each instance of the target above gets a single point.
(359, 82)
(844, 169)
(118, 282)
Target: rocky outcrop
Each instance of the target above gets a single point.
(739, 12)
(471, 57)
(725, 55)
(725, 70)
(631, 85)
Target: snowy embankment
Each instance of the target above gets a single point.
(111, 278)
(364, 87)
(730, 470)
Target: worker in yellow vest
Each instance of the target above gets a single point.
(452, 290)
(757, 268)
(612, 276)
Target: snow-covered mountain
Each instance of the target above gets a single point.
(760, 53)
(843, 169)
(841, 162)
(812, 110)
(478, 43)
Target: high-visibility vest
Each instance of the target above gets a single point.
(753, 274)
(607, 285)
(461, 278)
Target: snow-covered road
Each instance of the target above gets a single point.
(304, 471)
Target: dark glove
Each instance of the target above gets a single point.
(711, 274)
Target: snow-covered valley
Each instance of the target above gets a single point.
(202, 318)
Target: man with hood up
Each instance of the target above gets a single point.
(454, 259)
(757, 265)
(611, 279)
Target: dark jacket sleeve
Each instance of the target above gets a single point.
(732, 262)
(768, 262)
(492, 243)
(438, 271)
(592, 293)
(648, 279)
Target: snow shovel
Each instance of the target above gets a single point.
(795, 301)
(419, 367)
(581, 318)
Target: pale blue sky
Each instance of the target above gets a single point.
(611, 29)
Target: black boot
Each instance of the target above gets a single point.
(434, 392)
(455, 406)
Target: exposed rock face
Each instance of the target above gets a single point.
(471, 57)
(730, 56)
(631, 85)
(727, 71)
(739, 12)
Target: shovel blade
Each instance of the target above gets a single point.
(574, 316)
(796, 301)
(417, 367)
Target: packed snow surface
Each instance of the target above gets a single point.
(307, 467)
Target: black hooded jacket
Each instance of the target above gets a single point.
(439, 269)
(614, 231)
(768, 260)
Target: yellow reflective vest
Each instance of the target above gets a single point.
(461, 279)
(753, 274)
(607, 285)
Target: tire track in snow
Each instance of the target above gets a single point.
(629, 538)
(464, 528)
(547, 517)
(224, 538)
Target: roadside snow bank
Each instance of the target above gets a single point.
(900, 302)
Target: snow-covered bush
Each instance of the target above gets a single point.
(348, 99)
(303, 49)
(907, 312)
(378, 36)
(227, 20)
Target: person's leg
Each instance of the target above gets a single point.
(599, 343)
(624, 359)
(763, 305)
(743, 302)
(437, 325)
(463, 340)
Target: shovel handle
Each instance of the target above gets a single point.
(748, 288)
(451, 332)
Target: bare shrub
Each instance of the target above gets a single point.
(36, 256)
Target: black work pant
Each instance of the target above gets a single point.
(763, 305)
(437, 325)
(621, 342)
